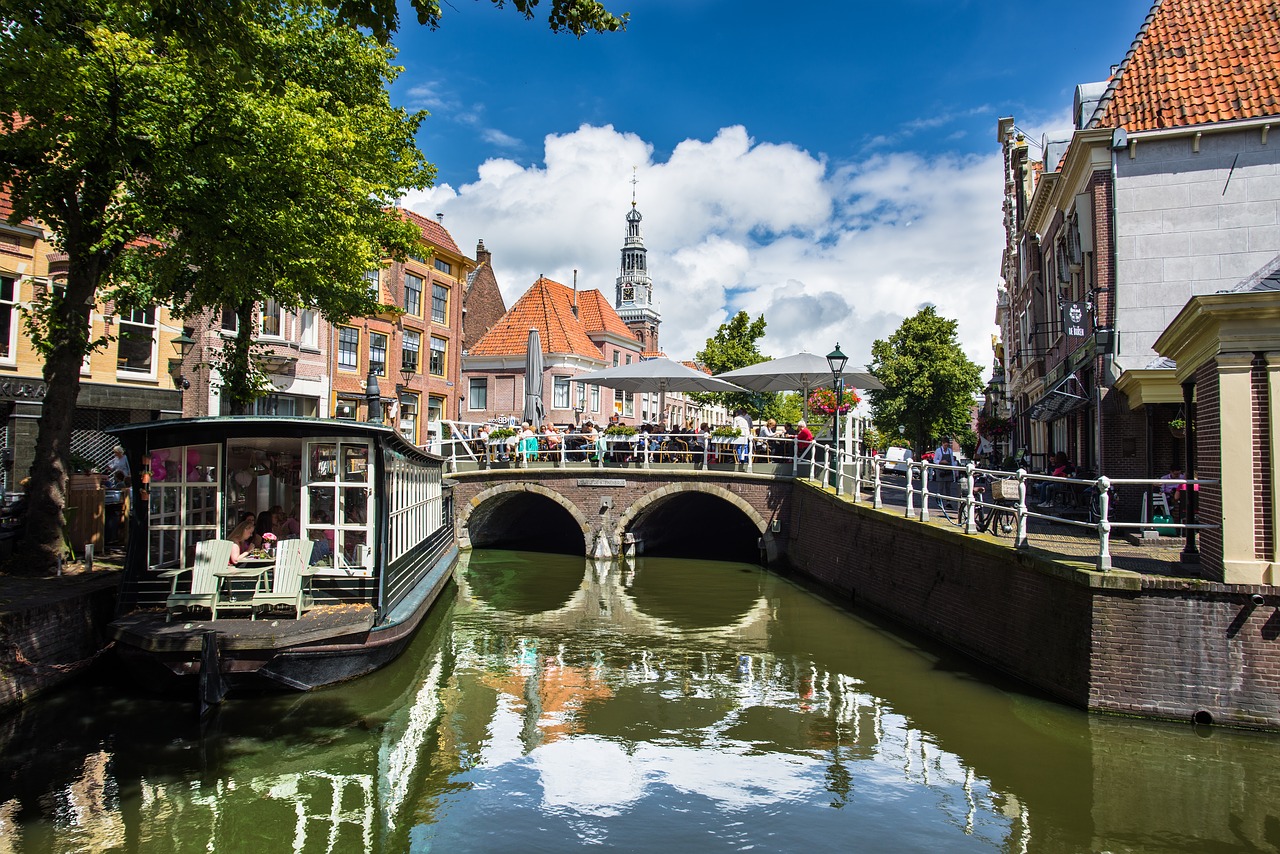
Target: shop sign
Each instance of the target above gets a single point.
(1073, 316)
(22, 390)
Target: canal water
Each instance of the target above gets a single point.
(667, 706)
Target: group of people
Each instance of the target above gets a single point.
(587, 441)
(250, 534)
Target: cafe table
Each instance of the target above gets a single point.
(247, 567)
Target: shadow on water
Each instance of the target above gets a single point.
(698, 526)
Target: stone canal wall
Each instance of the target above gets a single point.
(50, 629)
(1115, 642)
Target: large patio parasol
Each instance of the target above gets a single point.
(534, 410)
(800, 372)
(660, 375)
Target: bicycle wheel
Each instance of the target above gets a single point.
(1007, 522)
(982, 516)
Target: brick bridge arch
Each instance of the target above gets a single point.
(604, 503)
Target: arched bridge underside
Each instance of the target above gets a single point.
(731, 517)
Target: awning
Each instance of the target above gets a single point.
(1063, 398)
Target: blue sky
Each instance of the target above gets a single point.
(832, 165)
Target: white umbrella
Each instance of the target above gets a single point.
(800, 372)
(534, 411)
(656, 375)
(660, 375)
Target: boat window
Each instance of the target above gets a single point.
(183, 505)
(337, 506)
(416, 506)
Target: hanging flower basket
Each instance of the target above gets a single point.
(823, 401)
(994, 427)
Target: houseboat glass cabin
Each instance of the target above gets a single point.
(372, 511)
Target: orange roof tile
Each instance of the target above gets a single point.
(1194, 63)
(598, 315)
(432, 231)
(548, 307)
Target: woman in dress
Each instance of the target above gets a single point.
(242, 539)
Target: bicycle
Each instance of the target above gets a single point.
(999, 514)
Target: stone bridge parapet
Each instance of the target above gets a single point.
(610, 505)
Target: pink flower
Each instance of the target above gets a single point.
(269, 537)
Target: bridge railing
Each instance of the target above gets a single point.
(1035, 503)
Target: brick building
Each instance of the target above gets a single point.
(1165, 190)
(125, 381)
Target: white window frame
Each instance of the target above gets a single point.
(135, 373)
(483, 384)
(378, 367)
(416, 310)
(271, 310)
(444, 358)
(11, 305)
(559, 392)
(308, 335)
(416, 337)
(341, 482)
(342, 366)
(444, 313)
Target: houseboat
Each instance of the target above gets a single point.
(365, 517)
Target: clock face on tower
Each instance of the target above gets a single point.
(628, 294)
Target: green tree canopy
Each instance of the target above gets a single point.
(929, 383)
(734, 346)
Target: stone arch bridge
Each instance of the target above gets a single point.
(609, 512)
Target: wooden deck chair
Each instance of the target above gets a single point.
(210, 554)
(290, 579)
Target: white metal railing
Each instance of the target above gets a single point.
(848, 474)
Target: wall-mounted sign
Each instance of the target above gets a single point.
(22, 390)
(1074, 316)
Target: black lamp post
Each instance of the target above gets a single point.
(182, 345)
(836, 360)
(373, 395)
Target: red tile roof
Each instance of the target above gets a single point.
(548, 307)
(432, 231)
(1196, 62)
(598, 315)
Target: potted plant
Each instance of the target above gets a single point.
(1178, 426)
(84, 474)
(623, 430)
(725, 434)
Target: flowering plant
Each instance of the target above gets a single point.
(993, 426)
(269, 537)
(823, 401)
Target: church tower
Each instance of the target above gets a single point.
(634, 300)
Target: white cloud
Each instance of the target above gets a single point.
(827, 254)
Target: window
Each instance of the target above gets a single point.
(272, 319)
(560, 392)
(595, 398)
(413, 294)
(410, 346)
(615, 358)
(628, 358)
(438, 348)
(378, 353)
(443, 266)
(137, 346)
(582, 396)
(435, 408)
(439, 303)
(230, 320)
(478, 393)
(307, 328)
(629, 403)
(373, 279)
(409, 417)
(348, 348)
(8, 317)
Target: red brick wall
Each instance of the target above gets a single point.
(1261, 414)
(1208, 439)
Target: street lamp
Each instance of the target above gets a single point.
(407, 370)
(836, 360)
(182, 345)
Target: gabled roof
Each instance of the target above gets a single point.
(1196, 62)
(548, 307)
(432, 231)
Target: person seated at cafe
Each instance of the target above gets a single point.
(804, 437)
(284, 525)
(242, 540)
(528, 441)
(321, 546)
(1049, 491)
(553, 437)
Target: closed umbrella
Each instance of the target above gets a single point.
(534, 410)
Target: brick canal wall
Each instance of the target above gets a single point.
(50, 629)
(1104, 641)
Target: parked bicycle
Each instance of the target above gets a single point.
(999, 511)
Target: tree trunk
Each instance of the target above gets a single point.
(68, 331)
(236, 384)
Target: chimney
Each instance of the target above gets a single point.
(439, 217)
(483, 255)
(575, 293)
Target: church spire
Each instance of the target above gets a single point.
(634, 299)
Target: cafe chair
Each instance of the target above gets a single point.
(289, 583)
(210, 554)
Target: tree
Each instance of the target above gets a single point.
(929, 383)
(734, 346)
(570, 16)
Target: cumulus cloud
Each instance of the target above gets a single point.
(826, 253)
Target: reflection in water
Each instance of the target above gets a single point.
(646, 706)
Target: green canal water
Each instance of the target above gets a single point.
(665, 706)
